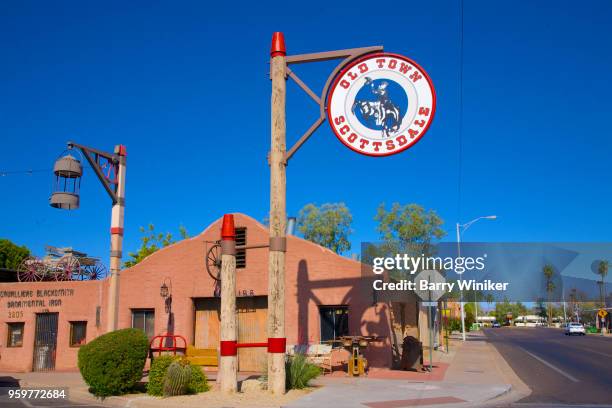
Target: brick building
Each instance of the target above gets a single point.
(44, 323)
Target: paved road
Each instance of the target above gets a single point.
(559, 369)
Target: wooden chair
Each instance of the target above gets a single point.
(321, 355)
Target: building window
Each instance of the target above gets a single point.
(144, 319)
(15, 334)
(334, 322)
(241, 240)
(78, 333)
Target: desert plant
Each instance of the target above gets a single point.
(454, 325)
(299, 372)
(176, 381)
(198, 382)
(157, 373)
(112, 364)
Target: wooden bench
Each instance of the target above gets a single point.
(202, 357)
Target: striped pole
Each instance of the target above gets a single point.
(278, 219)
(228, 366)
(116, 241)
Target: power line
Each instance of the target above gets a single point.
(29, 172)
(460, 150)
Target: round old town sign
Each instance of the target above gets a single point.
(381, 104)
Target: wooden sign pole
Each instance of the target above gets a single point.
(279, 72)
(276, 269)
(228, 348)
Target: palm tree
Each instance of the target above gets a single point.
(602, 270)
(550, 287)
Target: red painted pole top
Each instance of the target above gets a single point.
(278, 45)
(121, 150)
(228, 231)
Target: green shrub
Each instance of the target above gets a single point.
(157, 373)
(454, 325)
(112, 364)
(198, 382)
(299, 372)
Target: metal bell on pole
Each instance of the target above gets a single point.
(67, 183)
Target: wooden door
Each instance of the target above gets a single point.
(252, 314)
(252, 328)
(207, 315)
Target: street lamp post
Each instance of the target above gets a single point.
(462, 228)
(110, 169)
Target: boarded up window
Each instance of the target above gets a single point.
(241, 240)
(78, 332)
(15, 334)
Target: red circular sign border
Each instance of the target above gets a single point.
(361, 59)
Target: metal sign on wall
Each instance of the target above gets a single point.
(381, 104)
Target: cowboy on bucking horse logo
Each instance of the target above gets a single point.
(380, 104)
(383, 111)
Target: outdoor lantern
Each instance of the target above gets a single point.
(163, 290)
(67, 182)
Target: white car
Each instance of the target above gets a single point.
(574, 328)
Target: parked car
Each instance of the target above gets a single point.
(575, 328)
(496, 325)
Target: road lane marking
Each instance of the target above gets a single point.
(546, 363)
(569, 345)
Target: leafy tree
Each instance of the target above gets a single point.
(470, 315)
(549, 272)
(12, 255)
(410, 225)
(328, 225)
(503, 308)
(151, 242)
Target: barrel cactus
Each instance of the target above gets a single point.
(177, 378)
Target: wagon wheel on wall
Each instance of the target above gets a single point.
(96, 271)
(30, 270)
(213, 262)
(69, 268)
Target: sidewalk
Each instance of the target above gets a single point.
(471, 374)
(477, 376)
(78, 393)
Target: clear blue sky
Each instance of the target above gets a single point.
(184, 85)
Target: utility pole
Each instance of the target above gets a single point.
(116, 230)
(464, 227)
(278, 243)
(228, 346)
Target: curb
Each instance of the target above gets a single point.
(81, 396)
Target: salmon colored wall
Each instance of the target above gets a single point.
(314, 276)
(81, 306)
